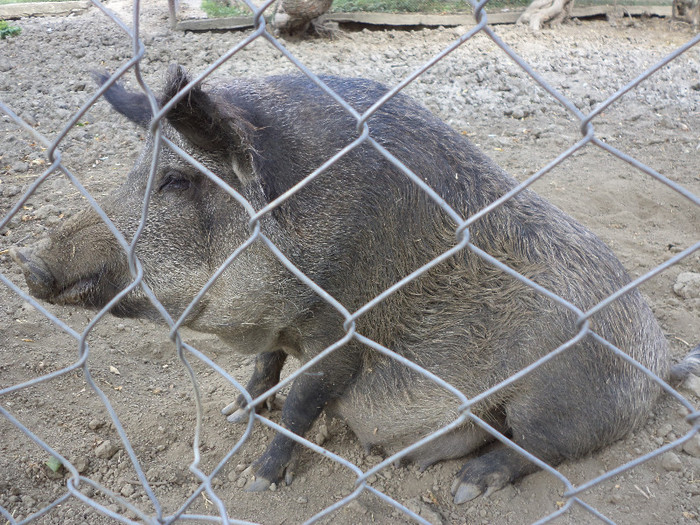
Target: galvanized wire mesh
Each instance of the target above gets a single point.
(403, 6)
(187, 352)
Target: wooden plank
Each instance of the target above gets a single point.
(427, 20)
(14, 11)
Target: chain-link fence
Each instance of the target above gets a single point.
(402, 6)
(97, 495)
(424, 7)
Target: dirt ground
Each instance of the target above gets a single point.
(477, 90)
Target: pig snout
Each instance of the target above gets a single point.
(40, 280)
(51, 282)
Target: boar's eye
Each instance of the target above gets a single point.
(174, 181)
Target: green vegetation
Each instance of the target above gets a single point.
(54, 464)
(401, 6)
(419, 6)
(7, 29)
(216, 10)
(3, 2)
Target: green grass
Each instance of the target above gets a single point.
(7, 29)
(401, 6)
(215, 10)
(419, 6)
(3, 2)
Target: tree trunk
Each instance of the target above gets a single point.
(295, 17)
(541, 11)
(688, 11)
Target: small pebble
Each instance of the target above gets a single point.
(321, 435)
(127, 490)
(664, 430)
(87, 490)
(46, 211)
(687, 285)
(95, 424)
(671, 462)
(29, 119)
(355, 507)
(106, 450)
(81, 464)
(615, 499)
(425, 511)
(20, 167)
(692, 385)
(692, 446)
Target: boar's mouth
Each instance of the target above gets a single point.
(80, 292)
(98, 290)
(93, 291)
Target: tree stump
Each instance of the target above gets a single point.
(688, 11)
(296, 17)
(540, 12)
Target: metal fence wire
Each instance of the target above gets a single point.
(187, 352)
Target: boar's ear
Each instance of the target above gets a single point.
(134, 106)
(215, 127)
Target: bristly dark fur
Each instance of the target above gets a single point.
(358, 228)
(205, 122)
(134, 106)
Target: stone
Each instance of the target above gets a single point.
(692, 446)
(425, 511)
(127, 490)
(691, 384)
(687, 285)
(106, 450)
(671, 462)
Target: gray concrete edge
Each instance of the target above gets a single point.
(418, 19)
(14, 11)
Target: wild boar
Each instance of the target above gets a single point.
(355, 230)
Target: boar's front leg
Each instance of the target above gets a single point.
(308, 396)
(268, 366)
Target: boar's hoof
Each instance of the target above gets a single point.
(464, 492)
(39, 279)
(236, 412)
(239, 416)
(258, 485)
(488, 473)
